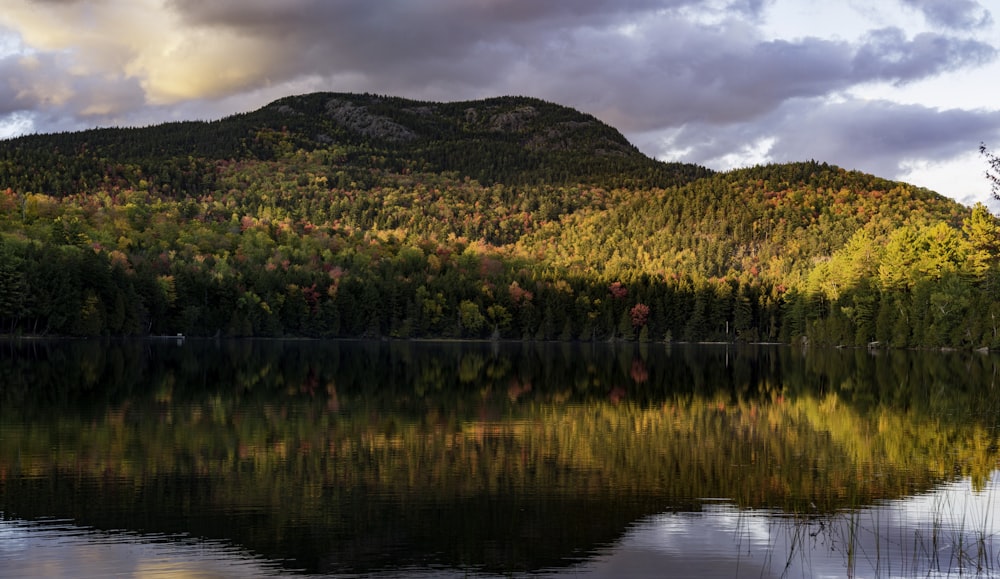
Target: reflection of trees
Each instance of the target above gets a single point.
(319, 449)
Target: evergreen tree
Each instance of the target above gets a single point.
(13, 297)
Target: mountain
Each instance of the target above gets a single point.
(510, 140)
(343, 215)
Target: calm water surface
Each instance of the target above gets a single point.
(253, 459)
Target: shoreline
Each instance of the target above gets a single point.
(181, 338)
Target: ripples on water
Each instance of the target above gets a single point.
(60, 549)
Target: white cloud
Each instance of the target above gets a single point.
(15, 124)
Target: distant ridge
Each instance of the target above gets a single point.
(510, 140)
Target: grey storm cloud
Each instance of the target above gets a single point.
(666, 70)
(403, 45)
(42, 83)
(878, 136)
(670, 70)
(888, 55)
(957, 14)
(455, 43)
(726, 75)
(875, 133)
(14, 91)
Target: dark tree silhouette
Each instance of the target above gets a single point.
(993, 173)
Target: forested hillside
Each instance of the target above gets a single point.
(338, 215)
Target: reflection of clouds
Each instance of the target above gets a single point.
(948, 532)
(955, 505)
(718, 541)
(693, 532)
(57, 550)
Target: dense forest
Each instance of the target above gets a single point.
(342, 215)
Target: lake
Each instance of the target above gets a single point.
(384, 459)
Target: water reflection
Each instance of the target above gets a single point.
(374, 458)
(59, 549)
(949, 532)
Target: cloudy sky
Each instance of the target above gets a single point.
(905, 89)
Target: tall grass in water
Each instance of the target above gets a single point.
(947, 533)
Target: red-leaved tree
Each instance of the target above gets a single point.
(639, 314)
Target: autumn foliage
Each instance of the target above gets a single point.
(280, 223)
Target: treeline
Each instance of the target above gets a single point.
(933, 287)
(910, 286)
(375, 287)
